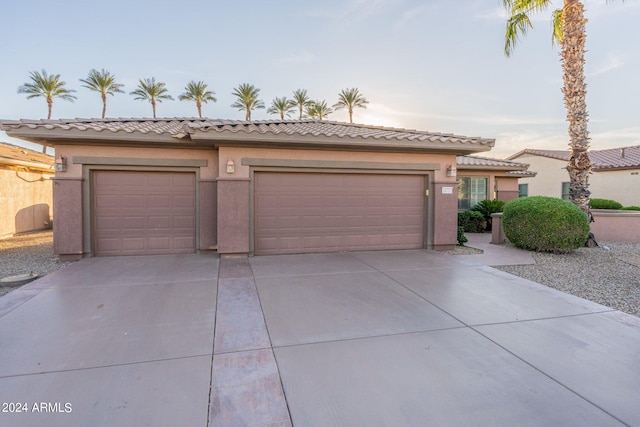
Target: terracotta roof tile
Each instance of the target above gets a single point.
(485, 162)
(613, 158)
(182, 127)
(13, 154)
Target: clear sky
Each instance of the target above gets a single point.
(431, 65)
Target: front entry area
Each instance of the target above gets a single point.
(297, 212)
(143, 213)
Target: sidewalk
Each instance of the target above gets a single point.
(493, 254)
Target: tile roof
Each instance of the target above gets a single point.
(14, 155)
(231, 130)
(613, 158)
(475, 162)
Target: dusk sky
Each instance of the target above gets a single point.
(431, 65)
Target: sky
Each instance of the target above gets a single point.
(430, 65)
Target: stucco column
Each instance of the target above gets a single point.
(445, 220)
(233, 216)
(67, 218)
(208, 214)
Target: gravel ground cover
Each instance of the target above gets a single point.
(608, 274)
(25, 253)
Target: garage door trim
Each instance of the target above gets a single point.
(87, 198)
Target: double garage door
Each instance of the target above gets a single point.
(312, 212)
(143, 213)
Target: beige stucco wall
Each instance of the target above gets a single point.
(25, 201)
(619, 185)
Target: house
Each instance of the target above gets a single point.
(616, 173)
(481, 178)
(179, 185)
(25, 190)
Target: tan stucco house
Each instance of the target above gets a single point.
(153, 186)
(481, 178)
(616, 173)
(25, 190)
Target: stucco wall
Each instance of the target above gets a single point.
(25, 201)
(619, 185)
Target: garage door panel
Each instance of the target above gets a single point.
(310, 212)
(137, 213)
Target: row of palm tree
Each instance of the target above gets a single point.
(49, 86)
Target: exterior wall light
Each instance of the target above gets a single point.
(231, 166)
(60, 164)
(452, 171)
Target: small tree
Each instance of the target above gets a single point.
(350, 99)
(247, 99)
(198, 93)
(104, 83)
(301, 100)
(318, 110)
(152, 91)
(282, 107)
(48, 87)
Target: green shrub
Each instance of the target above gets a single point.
(471, 222)
(545, 224)
(631, 208)
(462, 239)
(486, 208)
(604, 204)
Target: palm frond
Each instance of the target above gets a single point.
(517, 25)
(557, 22)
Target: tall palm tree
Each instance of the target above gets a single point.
(152, 91)
(48, 87)
(301, 100)
(103, 82)
(569, 31)
(318, 110)
(282, 107)
(247, 99)
(350, 99)
(198, 93)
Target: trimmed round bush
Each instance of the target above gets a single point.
(604, 204)
(545, 224)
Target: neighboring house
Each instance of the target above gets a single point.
(616, 173)
(481, 178)
(153, 186)
(25, 190)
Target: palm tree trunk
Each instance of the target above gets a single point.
(247, 116)
(104, 105)
(199, 105)
(350, 115)
(574, 91)
(49, 107)
(153, 106)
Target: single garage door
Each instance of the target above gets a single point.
(143, 213)
(312, 212)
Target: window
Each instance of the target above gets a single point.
(471, 190)
(565, 191)
(523, 189)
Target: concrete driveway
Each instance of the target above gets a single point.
(404, 338)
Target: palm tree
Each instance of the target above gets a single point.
(282, 107)
(152, 91)
(103, 82)
(247, 99)
(351, 98)
(301, 100)
(48, 87)
(569, 32)
(198, 93)
(318, 110)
